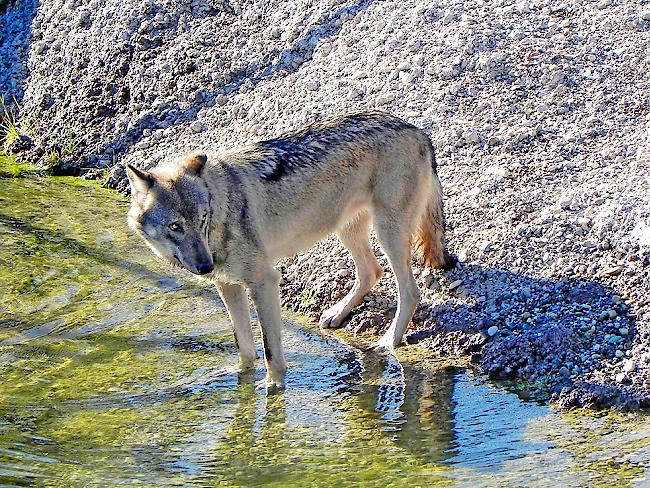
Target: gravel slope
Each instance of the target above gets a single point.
(539, 110)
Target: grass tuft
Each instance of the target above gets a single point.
(9, 168)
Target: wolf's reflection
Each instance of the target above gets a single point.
(412, 406)
(381, 403)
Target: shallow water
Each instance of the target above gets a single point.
(115, 370)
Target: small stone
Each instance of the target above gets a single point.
(621, 378)
(613, 271)
(556, 78)
(485, 246)
(646, 16)
(629, 365)
(471, 136)
(197, 126)
(565, 202)
(564, 371)
(455, 284)
(619, 353)
(624, 331)
(584, 221)
(311, 85)
(462, 256)
(461, 292)
(604, 4)
(645, 357)
(494, 141)
(492, 331)
(612, 314)
(326, 49)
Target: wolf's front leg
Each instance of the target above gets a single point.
(266, 296)
(236, 301)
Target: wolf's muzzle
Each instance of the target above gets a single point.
(204, 268)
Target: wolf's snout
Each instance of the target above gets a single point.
(204, 268)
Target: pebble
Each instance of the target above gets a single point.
(621, 378)
(455, 284)
(197, 126)
(565, 202)
(493, 330)
(485, 246)
(471, 136)
(629, 365)
(646, 16)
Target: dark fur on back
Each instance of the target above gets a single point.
(306, 147)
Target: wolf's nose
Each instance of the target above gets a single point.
(205, 268)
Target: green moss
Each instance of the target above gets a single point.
(98, 185)
(10, 168)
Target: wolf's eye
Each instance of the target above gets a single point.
(175, 226)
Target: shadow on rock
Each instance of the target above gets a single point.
(556, 336)
(15, 42)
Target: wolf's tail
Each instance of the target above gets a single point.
(429, 237)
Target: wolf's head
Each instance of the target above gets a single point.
(170, 209)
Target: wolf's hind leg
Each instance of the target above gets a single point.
(395, 238)
(354, 236)
(265, 293)
(236, 301)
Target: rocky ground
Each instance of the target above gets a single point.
(539, 111)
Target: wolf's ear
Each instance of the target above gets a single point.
(141, 181)
(195, 161)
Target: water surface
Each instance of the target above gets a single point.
(115, 370)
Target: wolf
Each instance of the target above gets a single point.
(232, 216)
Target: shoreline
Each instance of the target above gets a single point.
(546, 344)
(568, 340)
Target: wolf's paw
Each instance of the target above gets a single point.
(386, 345)
(383, 346)
(450, 262)
(270, 385)
(332, 318)
(247, 361)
